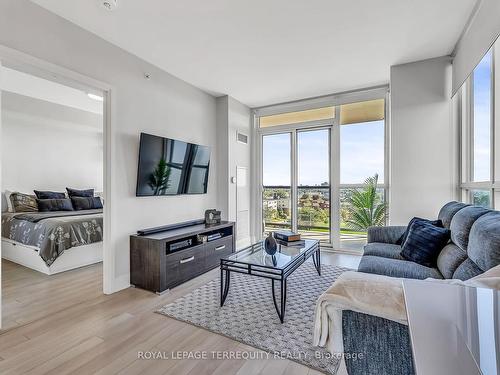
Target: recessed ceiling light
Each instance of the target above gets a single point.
(95, 97)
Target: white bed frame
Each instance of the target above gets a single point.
(75, 257)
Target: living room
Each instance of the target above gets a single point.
(244, 142)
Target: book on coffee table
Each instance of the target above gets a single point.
(298, 243)
(287, 236)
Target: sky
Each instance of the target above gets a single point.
(482, 118)
(361, 155)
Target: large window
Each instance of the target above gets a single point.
(313, 192)
(479, 180)
(362, 192)
(324, 174)
(276, 179)
(482, 120)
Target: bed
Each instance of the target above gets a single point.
(53, 242)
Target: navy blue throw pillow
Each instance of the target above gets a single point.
(80, 193)
(86, 203)
(402, 239)
(49, 194)
(424, 243)
(45, 205)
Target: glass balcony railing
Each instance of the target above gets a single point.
(356, 215)
(313, 212)
(276, 205)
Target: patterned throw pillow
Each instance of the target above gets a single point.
(424, 243)
(23, 202)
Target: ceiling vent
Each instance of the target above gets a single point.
(109, 4)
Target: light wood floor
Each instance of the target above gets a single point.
(63, 324)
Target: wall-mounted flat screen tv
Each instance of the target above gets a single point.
(171, 167)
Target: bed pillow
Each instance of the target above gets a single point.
(5, 206)
(402, 239)
(80, 193)
(23, 202)
(46, 205)
(86, 203)
(7, 194)
(424, 243)
(49, 194)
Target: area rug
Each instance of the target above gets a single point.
(249, 316)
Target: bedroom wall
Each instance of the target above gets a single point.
(423, 140)
(163, 105)
(47, 146)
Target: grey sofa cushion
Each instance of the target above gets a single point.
(397, 268)
(384, 250)
(468, 269)
(448, 211)
(389, 234)
(449, 259)
(484, 241)
(462, 222)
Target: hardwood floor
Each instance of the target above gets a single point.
(63, 324)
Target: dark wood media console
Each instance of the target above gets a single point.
(162, 260)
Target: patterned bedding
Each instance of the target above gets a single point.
(53, 232)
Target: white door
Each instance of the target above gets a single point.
(242, 207)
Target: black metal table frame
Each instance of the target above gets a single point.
(274, 274)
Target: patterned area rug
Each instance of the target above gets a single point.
(249, 316)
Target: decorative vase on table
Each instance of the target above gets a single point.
(270, 245)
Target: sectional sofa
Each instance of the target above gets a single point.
(474, 248)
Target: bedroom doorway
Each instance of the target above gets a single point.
(53, 155)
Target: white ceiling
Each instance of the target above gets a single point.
(266, 51)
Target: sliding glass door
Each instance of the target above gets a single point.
(324, 172)
(313, 184)
(296, 182)
(277, 182)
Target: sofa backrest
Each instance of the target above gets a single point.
(448, 211)
(475, 240)
(462, 222)
(484, 241)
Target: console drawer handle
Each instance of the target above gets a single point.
(221, 247)
(182, 261)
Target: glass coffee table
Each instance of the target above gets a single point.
(254, 261)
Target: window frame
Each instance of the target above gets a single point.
(465, 109)
(333, 124)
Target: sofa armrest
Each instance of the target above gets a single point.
(389, 234)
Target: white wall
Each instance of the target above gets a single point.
(423, 142)
(235, 197)
(163, 105)
(240, 157)
(46, 146)
(222, 153)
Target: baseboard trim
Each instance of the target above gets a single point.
(119, 283)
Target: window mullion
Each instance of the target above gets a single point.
(335, 181)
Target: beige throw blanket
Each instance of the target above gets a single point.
(361, 292)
